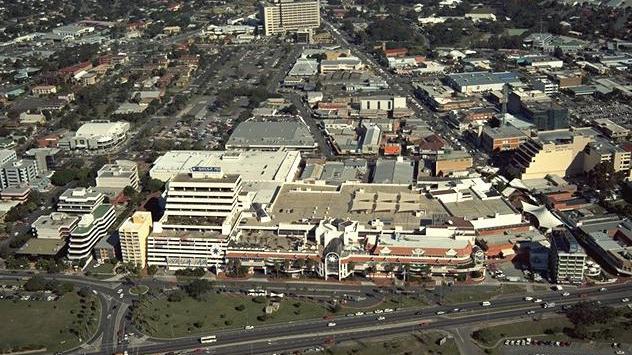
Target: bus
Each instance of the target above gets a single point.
(208, 339)
(257, 292)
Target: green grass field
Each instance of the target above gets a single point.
(42, 324)
(479, 293)
(395, 301)
(418, 343)
(189, 316)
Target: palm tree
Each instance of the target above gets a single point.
(388, 268)
(299, 263)
(276, 268)
(351, 267)
(311, 264)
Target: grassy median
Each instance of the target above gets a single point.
(162, 318)
(464, 294)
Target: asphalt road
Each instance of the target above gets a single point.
(286, 336)
(315, 332)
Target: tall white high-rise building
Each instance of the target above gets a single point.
(204, 200)
(283, 16)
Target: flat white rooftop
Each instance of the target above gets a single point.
(261, 171)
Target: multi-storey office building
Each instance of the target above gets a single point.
(133, 235)
(283, 16)
(568, 259)
(90, 229)
(18, 172)
(79, 200)
(205, 199)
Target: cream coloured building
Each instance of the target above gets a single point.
(119, 175)
(283, 16)
(602, 151)
(133, 234)
(557, 152)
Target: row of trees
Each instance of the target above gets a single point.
(38, 283)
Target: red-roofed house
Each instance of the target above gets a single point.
(395, 52)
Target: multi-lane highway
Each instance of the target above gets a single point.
(293, 335)
(316, 332)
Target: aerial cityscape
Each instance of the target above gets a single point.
(316, 177)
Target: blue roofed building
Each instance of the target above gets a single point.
(482, 81)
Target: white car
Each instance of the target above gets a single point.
(359, 313)
(440, 313)
(625, 300)
(388, 310)
(121, 295)
(119, 290)
(528, 298)
(378, 311)
(603, 289)
(381, 318)
(248, 327)
(331, 324)
(537, 300)
(566, 294)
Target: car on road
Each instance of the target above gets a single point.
(625, 300)
(109, 316)
(249, 327)
(359, 313)
(440, 313)
(388, 310)
(331, 324)
(603, 289)
(350, 315)
(121, 295)
(486, 303)
(528, 298)
(378, 311)
(381, 318)
(531, 312)
(120, 290)
(566, 294)
(537, 300)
